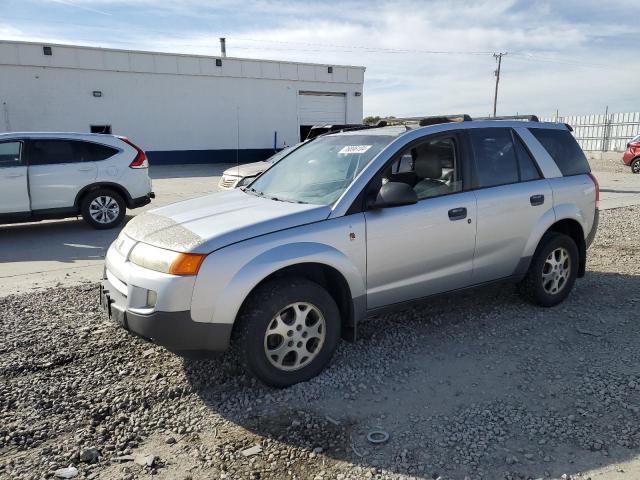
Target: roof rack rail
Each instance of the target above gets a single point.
(423, 121)
(531, 118)
(331, 128)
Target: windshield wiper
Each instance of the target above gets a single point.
(277, 199)
(254, 192)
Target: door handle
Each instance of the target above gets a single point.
(13, 175)
(84, 169)
(457, 213)
(536, 200)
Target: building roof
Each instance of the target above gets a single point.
(137, 61)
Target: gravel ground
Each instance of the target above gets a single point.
(476, 386)
(607, 162)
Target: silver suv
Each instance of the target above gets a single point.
(351, 223)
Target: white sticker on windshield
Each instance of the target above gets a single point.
(354, 149)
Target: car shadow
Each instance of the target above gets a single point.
(478, 384)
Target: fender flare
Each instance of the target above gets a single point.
(229, 299)
(551, 217)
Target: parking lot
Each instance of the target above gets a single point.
(476, 386)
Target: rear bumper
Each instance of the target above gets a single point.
(594, 229)
(175, 331)
(141, 201)
(628, 156)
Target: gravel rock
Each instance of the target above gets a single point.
(68, 472)
(89, 455)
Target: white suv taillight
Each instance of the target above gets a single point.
(141, 160)
(597, 185)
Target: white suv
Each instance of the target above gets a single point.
(58, 175)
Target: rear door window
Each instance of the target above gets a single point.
(564, 150)
(10, 154)
(52, 152)
(528, 168)
(496, 161)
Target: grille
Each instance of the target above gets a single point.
(228, 182)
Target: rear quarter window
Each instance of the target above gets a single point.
(564, 150)
(94, 152)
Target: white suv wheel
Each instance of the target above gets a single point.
(104, 209)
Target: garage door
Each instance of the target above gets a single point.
(320, 107)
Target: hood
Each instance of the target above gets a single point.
(205, 224)
(247, 170)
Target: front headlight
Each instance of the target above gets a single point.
(245, 181)
(166, 261)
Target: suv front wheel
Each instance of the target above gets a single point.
(103, 208)
(287, 331)
(552, 272)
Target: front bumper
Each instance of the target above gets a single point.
(175, 331)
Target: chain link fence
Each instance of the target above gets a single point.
(602, 133)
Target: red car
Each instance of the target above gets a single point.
(631, 156)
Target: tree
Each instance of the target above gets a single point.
(371, 120)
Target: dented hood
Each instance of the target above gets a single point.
(205, 224)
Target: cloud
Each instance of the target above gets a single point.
(572, 56)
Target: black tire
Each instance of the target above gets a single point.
(105, 193)
(258, 313)
(532, 287)
(635, 165)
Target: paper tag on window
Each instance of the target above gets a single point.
(354, 149)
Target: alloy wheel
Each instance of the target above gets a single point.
(556, 271)
(295, 336)
(104, 209)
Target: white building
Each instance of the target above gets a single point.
(180, 108)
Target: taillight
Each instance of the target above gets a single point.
(141, 158)
(597, 185)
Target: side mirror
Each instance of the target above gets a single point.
(394, 194)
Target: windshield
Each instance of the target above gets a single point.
(320, 171)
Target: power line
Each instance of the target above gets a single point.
(322, 47)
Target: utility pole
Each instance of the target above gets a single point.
(498, 57)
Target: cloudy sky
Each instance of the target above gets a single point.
(422, 57)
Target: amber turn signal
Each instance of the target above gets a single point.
(186, 264)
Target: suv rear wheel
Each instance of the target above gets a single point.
(103, 208)
(635, 165)
(287, 331)
(552, 272)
